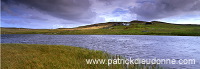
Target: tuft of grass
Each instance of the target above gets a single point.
(34, 56)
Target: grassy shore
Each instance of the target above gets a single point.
(135, 28)
(34, 56)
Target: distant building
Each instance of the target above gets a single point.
(126, 24)
(121, 24)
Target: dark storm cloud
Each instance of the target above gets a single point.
(156, 9)
(5, 8)
(107, 2)
(78, 10)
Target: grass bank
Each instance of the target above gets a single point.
(135, 28)
(34, 56)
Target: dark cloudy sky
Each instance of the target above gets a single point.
(50, 14)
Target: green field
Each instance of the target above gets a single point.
(34, 56)
(135, 28)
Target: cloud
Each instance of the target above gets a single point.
(157, 9)
(22, 16)
(78, 10)
(184, 19)
(113, 10)
(47, 13)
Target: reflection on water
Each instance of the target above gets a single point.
(135, 46)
